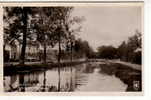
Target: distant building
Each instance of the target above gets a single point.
(51, 53)
(10, 52)
(34, 52)
(138, 50)
(137, 57)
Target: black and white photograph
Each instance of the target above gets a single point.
(73, 48)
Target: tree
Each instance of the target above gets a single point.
(17, 20)
(60, 33)
(108, 52)
(83, 49)
(59, 16)
(128, 49)
(71, 33)
(43, 27)
(133, 43)
(122, 51)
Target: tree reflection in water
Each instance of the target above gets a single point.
(21, 82)
(62, 79)
(59, 78)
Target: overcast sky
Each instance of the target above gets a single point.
(108, 25)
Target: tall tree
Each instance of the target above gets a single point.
(127, 50)
(25, 22)
(43, 28)
(60, 33)
(72, 27)
(83, 49)
(18, 21)
(49, 25)
(71, 33)
(108, 52)
(122, 51)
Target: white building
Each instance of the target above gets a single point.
(14, 51)
(34, 51)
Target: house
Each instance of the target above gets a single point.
(13, 52)
(138, 50)
(51, 53)
(10, 52)
(32, 51)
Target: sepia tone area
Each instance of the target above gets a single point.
(72, 49)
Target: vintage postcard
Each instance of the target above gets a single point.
(88, 48)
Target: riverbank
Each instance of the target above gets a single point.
(26, 68)
(127, 74)
(128, 64)
(130, 76)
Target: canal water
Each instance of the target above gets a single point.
(83, 77)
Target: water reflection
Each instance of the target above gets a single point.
(83, 77)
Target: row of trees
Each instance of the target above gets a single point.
(48, 26)
(129, 50)
(78, 49)
(108, 52)
(82, 48)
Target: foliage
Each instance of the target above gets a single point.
(16, 20)
(128, 50)
(108, 52)
(83, 49)
(44, 24)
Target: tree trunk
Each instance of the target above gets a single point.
(71, 52)
(45, 53)
(59, 53)
(44, 82)
(23, 49)
(4, 47)
(59, 57)
(22, 83)
(71, 45)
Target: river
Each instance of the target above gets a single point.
(83, 77)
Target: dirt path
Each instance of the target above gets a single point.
(134, 66)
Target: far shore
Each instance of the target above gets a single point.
(38, 66)
(17, 68)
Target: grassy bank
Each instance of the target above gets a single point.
(128, 75)
(15, 69)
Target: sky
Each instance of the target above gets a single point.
(108, 25)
